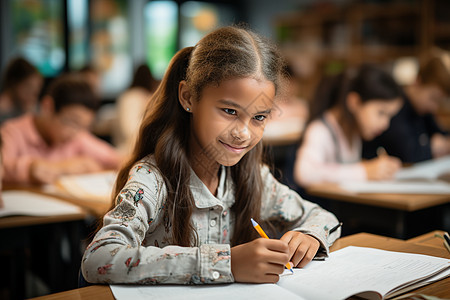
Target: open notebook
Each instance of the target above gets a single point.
(366, 272)
(31, 204)
(420, 178)
(92, 187)
(430, 170)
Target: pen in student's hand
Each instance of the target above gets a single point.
(264, 235)
(335, 228)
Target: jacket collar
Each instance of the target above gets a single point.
(203, 197)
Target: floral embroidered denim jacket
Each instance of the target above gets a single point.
(134, 244)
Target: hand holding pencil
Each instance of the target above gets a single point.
(264, 235)
(259, 261)
(383, 167)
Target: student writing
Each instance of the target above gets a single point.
(348, 108)
(40, 147)
(414, 134)
(196, 177)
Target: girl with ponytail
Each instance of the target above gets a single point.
(348, 108)
(184, 200)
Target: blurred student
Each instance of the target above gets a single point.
(56, 140)
(414, 134)
(131, 107)
(20, 88)
(347, 109)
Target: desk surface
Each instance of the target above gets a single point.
(429, 239)
(20, 221)
(96, 208)
(438, 289)
(406, 202)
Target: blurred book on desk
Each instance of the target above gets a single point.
(427, 170)
(428, 177)
(24, 203)
(88, 187)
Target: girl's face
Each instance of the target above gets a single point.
(373, 117)
(228, 120)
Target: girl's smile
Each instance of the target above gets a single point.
(235, 149)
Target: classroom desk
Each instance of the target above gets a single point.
(20, 234)
(438, 289)
(429, 239)
(95, 208)
(397, 215)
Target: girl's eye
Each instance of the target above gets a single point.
(229, 111)
(260, 117)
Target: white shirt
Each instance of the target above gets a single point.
(325, 154)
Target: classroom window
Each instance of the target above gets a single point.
(37, 33)
(77, 15)
(109, 40)
(161, 29)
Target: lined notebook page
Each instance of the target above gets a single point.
(353, 270)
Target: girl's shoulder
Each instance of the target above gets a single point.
(146, 169)
(322, 127)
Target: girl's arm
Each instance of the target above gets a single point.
(127, 248)
(316, 160)
(284, 205)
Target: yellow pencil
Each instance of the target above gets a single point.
(264, 235)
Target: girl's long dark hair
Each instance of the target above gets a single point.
(368, 81)
(226, 53)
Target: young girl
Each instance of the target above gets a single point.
(347, 109)
(185, 199)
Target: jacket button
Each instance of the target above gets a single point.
(215, 275)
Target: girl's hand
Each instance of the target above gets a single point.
(302, 247)
(259, 261)
(383, 167)
(79, 165)
(42, 171)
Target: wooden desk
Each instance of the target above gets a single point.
(406, 202)
(96, 208)
(429, 239)
(438, 289)
(397, 215)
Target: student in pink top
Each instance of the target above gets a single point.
(347, 109)
(56, 140)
